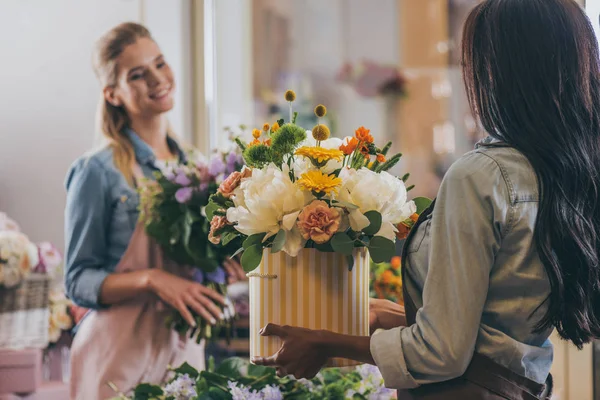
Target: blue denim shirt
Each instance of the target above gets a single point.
(100, 216)
(475, 277)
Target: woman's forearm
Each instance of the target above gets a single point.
(357, 348)
(120, 287)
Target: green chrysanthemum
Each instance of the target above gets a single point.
(257, 156)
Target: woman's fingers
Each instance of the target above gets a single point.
(199, 309)
(212, 294)
(185, 313)
(210, 306)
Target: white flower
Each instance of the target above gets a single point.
(8, 224)
(381, 192)
(18, 256)
(303, 164)
(267, 202)
(182, 388)
(59, 315)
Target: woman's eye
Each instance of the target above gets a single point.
(160, 65)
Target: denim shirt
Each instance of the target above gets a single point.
(100, 216)
(475, 277)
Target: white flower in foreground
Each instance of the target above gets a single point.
(381, 192)
(267, 202)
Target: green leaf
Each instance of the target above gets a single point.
(375, 222)
(228, 237)
(381, 249)
(232, 367)
(251, 240)
(238, 251)
(342, 243)
(252, 257)
(146, 391)
(346, 205)
(186, 368)
(259, 371)
(210, 210)
(350, 260)
(422, 204)
(324, 247)
(279, 241)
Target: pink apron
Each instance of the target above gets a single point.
(129, 343)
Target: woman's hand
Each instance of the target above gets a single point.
(385, 314)
(234, 270)
(185, 295)
(302, 352)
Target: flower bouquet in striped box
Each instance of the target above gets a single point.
(312, 212)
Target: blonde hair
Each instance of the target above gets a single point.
(111, 121)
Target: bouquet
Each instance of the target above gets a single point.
(18, 257)
(303, 189)
(236, 379)
(172, 211)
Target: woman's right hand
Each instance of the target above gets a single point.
(385, 314)
(185, 295)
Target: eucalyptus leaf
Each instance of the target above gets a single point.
(422, 204)
(344, 204)
(342, 243)
(228, 237)
(375, 222)
(350, 261)
(251, 240)
(252, 257)
(279, 241)
(186, 368)
(381, 249)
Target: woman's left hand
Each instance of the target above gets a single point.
(235, 272)
(302, 353)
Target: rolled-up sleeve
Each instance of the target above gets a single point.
(471, 214)
(87, 214)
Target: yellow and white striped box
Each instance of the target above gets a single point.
(313, 290)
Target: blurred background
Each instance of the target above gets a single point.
(392, 66)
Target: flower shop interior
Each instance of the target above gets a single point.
(391, 66)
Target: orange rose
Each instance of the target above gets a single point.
(396, 262)
(380, 158)
(319, 222)
(216, 223)
(364, 135)
(233, 181)
(349, 145)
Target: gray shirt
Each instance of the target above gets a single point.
(476, 277)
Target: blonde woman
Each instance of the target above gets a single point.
(111, 265)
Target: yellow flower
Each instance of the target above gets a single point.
(255, 133)
(321, 132)
(319, 154)
(320, 110)
(254, 143)
(275, 127)
(266, 127)
(317, 181)
(290, 95)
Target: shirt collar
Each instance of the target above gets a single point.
(489, 141)
(144, 153)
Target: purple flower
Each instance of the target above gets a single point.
(182, 388)
(271, 393)
(242, 392)
(183, 195)
(232, 162)
(198, 276)
(216, 167)
(203, 187)
(217, 276)
(169, 174)
(182, 179)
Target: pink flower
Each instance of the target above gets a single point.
(319, 222)
(233, 181)
(50, 259)
(216, 223)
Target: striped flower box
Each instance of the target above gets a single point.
(313, 290)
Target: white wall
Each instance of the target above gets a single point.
(49, 95)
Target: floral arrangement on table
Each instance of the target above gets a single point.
(172, 211)
(371, 79)
(236, 379)
(386, 281)
(316, 192)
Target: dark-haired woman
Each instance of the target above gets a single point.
(510, 249)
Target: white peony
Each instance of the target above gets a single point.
(267, 202)
(18, 256)
(381, 192)
(303, 164)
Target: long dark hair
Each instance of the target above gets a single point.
(531, 70)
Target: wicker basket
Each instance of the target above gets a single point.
(24, 314)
